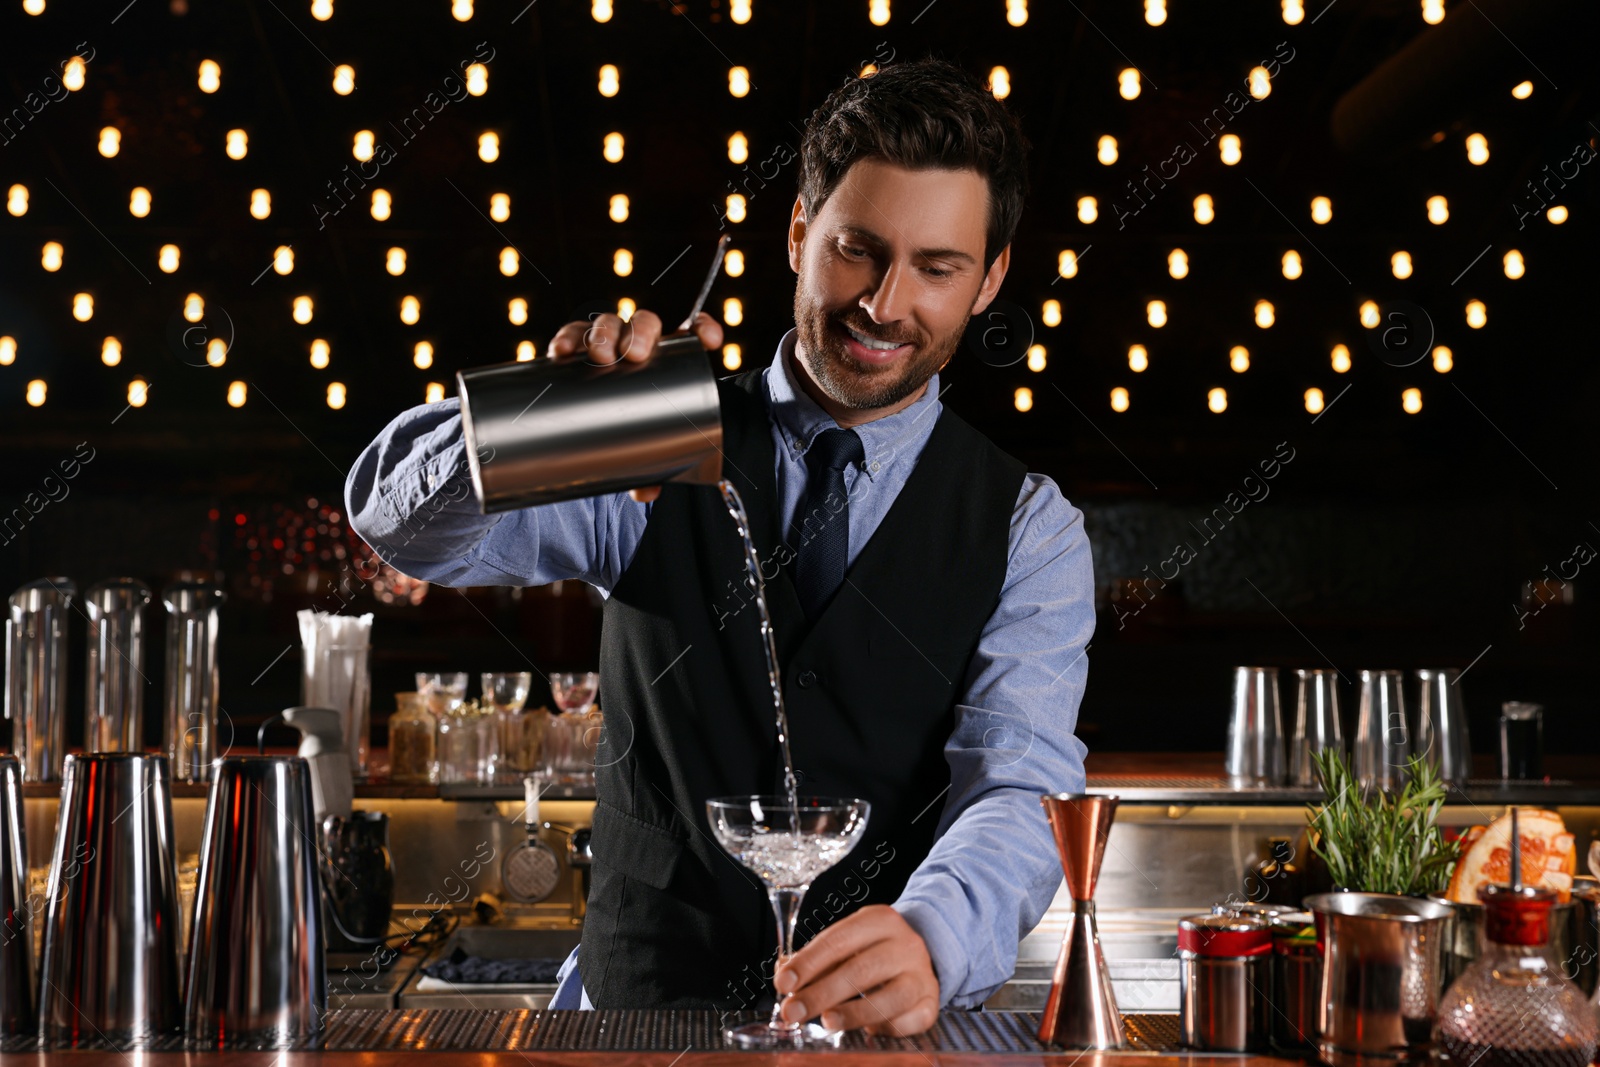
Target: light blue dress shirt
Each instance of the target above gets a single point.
(993, 869)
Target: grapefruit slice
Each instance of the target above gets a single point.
(1549, 855)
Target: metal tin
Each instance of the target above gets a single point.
(110, 961)
(16, 929)
(1255, 755)
(1380, 986)
(1296, 976)
(1224, 974)
(36, 675)
(558, 429)
(1442, 724)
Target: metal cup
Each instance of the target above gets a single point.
(555, 429)
(1255, 731)
(113, 718)
(192, 677)
(1381, 979)
(110, 968)
(36, 675)
(1316, 722)
(256, 968)
(16, 928)
(1442, 724)
(1383, 737)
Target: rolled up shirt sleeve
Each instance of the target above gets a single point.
(993, 869)
(410, 497)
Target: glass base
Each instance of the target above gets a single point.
(764, 1035)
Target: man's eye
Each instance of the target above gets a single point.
(938, 273)
(852, 250)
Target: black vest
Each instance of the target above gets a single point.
(870, 688)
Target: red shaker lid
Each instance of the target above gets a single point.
(1519, 916)
(1224, 935)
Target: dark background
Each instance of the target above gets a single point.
(1390, 540)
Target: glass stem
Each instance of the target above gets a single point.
(786, 909)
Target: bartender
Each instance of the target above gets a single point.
(932, 601)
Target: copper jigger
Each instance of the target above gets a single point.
(1082, 1010)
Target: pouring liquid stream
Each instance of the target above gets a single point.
(769, 646)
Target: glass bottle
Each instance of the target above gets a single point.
(412, 734)
(1512, 1006)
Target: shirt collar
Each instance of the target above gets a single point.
(800, 418)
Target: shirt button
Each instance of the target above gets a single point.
(806, 678)
(875, 466)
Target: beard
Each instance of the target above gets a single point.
(852, 382)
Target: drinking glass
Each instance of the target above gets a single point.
(788, 848)
(444, 691)
(506, 691)
(574, 692)
(1521, 740)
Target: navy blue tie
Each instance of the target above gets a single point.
(822, 525)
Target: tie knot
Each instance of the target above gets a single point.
(835, 450)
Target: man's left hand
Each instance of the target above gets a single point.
(868, 970)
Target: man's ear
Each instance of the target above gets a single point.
(797, 234)
(992, 280)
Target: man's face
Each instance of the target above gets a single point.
(895, 255)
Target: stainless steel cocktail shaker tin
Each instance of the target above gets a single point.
(557, 429)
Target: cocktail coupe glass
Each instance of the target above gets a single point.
(788, 848)
(574, 691)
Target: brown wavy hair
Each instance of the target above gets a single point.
(919, 114)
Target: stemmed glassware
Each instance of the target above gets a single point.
(575, 692)
(788, 847)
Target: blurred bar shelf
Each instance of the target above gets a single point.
(1136, 777)
(1198, 778)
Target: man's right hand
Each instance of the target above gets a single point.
(607, 339)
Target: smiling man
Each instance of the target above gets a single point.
(932, 601)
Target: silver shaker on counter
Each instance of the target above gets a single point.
(110, 963)
(256, 969)
(36, 675)
(113, 718)
(192, 678)
(16, 910)
(556, 429)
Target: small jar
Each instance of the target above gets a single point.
(1224, 972)
(412, 736)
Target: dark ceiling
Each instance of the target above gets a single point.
(1514, 410)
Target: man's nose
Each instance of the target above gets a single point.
(891, 300)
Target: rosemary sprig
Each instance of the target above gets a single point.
(1381, 843)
